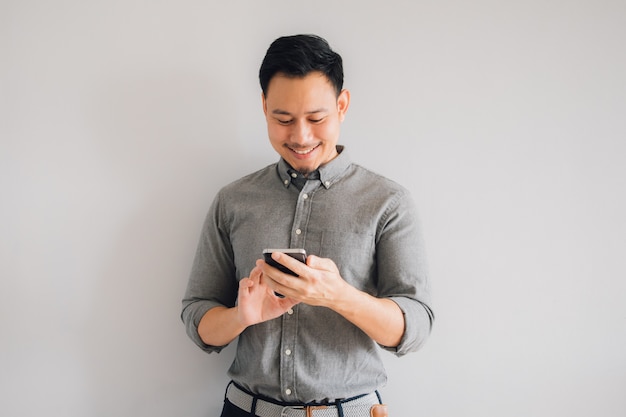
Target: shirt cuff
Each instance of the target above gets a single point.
(191, 316)
(418, 320)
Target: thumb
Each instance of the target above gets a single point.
(323, 264)
(316, 262)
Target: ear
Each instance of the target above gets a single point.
(343, 102)
(264, 103)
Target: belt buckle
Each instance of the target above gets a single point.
(310, 408)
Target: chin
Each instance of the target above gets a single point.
(303, 170)
(303, 167)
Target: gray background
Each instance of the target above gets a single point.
(121, 119)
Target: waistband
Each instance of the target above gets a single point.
(352, 407)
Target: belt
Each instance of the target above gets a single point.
(357, 407)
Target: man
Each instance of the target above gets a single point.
(364, 283)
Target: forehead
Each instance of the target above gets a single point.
(313, 87)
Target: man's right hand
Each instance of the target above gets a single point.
(256, 303)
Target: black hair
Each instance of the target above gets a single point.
(298, 56)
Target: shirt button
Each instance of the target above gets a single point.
(290, 311)
(327, 183)
(294, 175)
(298, 231)
(305, 196)
(288, 391)
(288, 352)
(286, 182)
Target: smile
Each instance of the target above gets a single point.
(304, 151)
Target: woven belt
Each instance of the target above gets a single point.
(358, 407)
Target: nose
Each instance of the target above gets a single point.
(301, 133)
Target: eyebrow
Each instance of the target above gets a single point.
(286, 113)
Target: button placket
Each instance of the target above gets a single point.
(290, 320)
(287, 357)
(303, 209)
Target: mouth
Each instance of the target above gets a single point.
(304, 151)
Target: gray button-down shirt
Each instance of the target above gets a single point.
(365, 223)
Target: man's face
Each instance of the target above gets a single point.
(303, 118)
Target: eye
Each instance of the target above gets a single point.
(320, 120)
(284, 122)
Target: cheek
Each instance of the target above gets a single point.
(326, 132)
(276, 132)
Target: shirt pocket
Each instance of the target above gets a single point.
(354, 254)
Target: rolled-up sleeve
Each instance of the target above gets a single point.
(418, 319)
(211, 282)
(403, 271)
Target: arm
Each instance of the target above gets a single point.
(380, 318)
(320, 284)
(398, 316)
(219, 326)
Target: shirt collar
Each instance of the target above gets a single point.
(329, 173)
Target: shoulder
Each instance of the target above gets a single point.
(380, 194)
(375, 181)
(252, 182)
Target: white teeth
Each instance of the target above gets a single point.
(304, 151)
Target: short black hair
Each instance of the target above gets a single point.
(298, 56)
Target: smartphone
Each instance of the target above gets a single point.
(299, 254)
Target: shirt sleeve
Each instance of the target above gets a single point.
(403, 271)
(212, 280)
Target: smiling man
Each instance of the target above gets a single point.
(303, 119)
(314, 350)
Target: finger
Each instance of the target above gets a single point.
(256, 271)
(293, 264)
(325, 264)
(265, 282)
(271, 274)
(313, 261)
(245, 286)
(260, 263)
